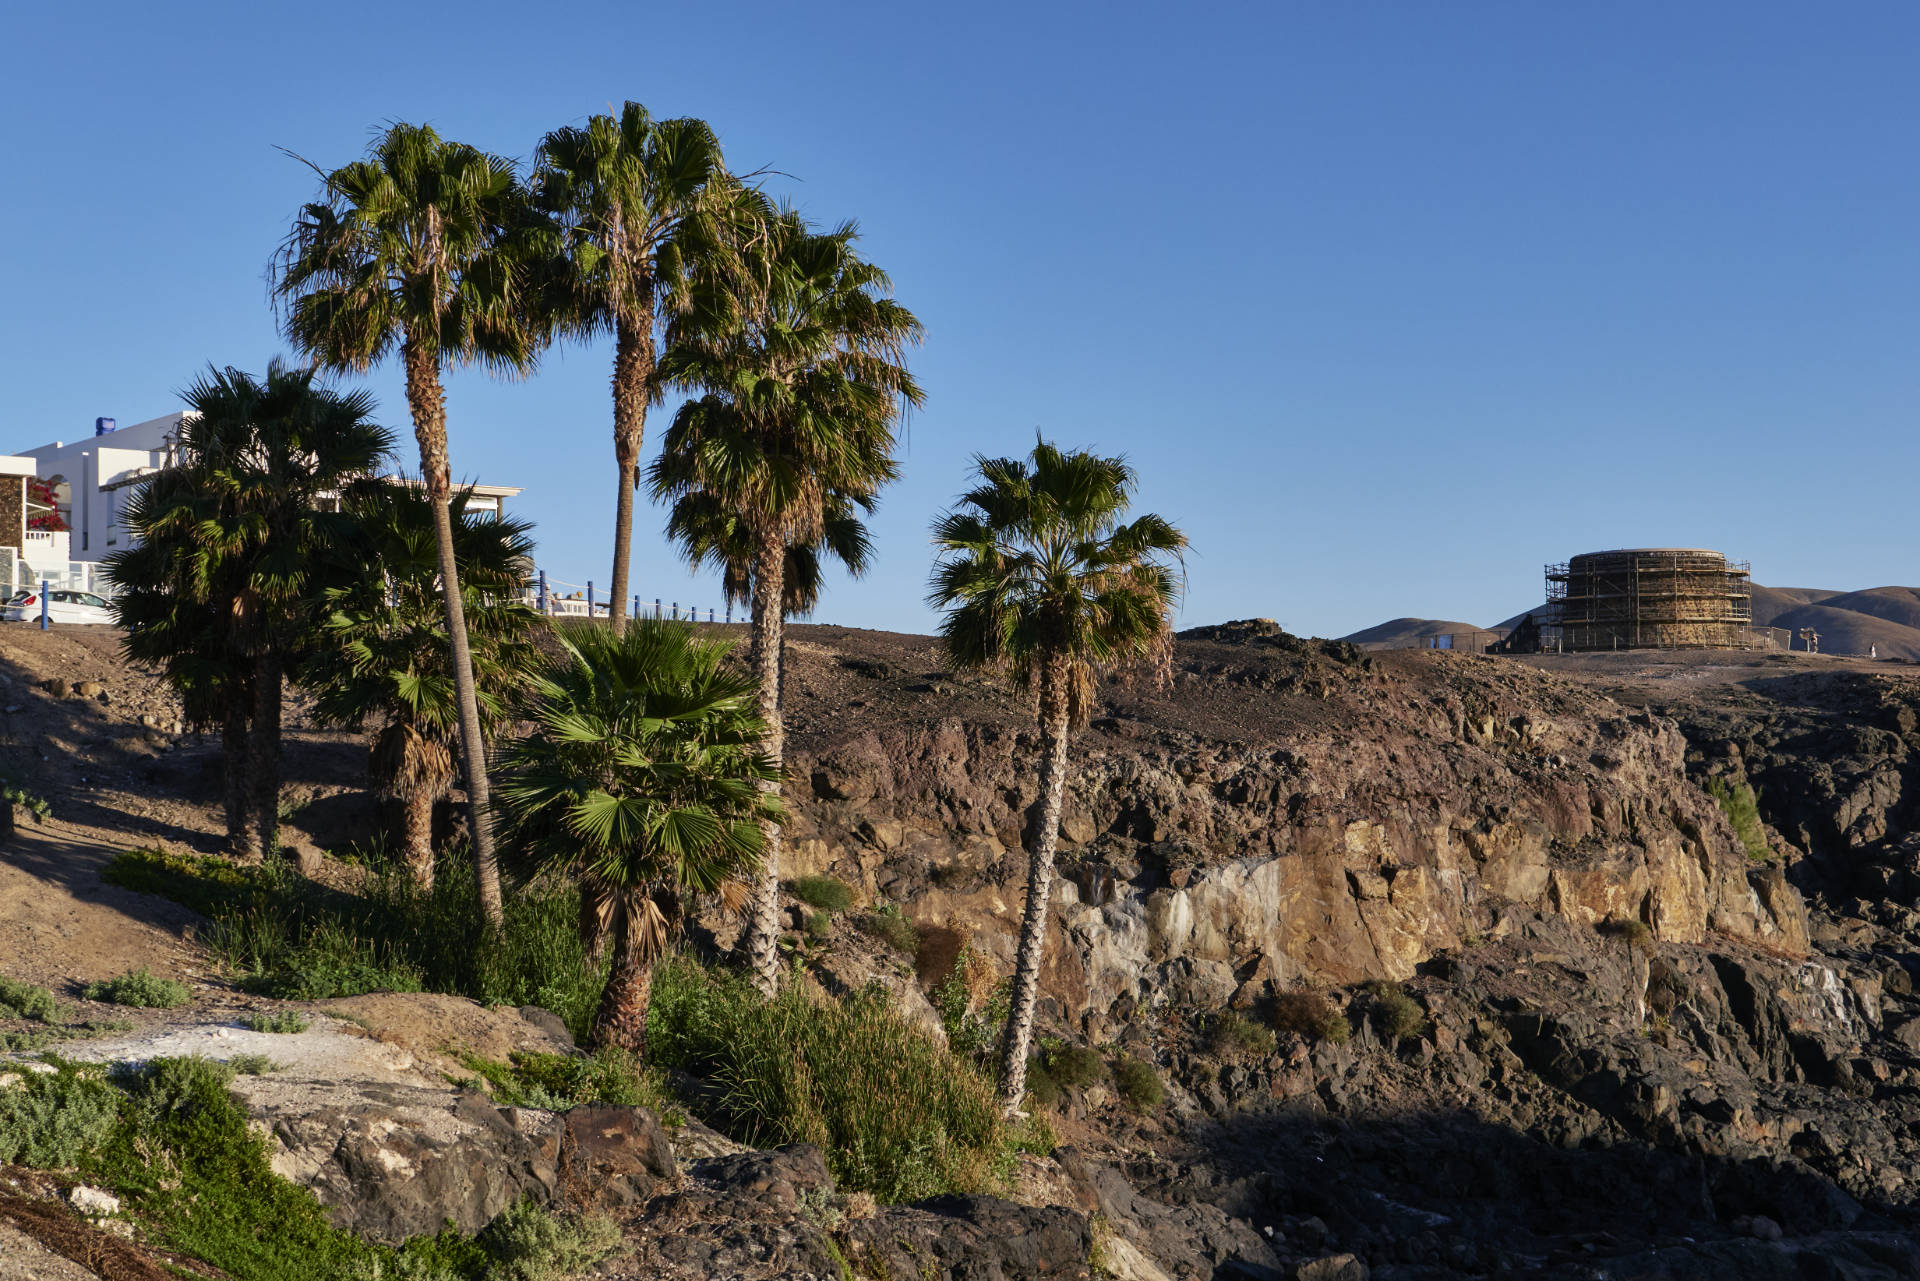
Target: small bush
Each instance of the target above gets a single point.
(1230, 1032)
(253, 1065)
(891, 926)
(25, 1001)
(1308, 1013)
(55, 1120)
(1137, 1083)
(142, 989)
(1074, 1066)
(1636, 933)
(819, 927)
(1741, 804)
(1396, 1014)
(971, 1033)
(526, 1243)
(828, 893)
(561, 1081)
(1042, 1090)
(285, 1022)
(14, 794)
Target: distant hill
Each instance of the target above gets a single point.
(1886, 618)
(1402, 630)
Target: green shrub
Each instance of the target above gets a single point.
(891, 926)
(819, 927)
(1072, 1065)
(55, 1120)
(284, 1022)
(24, 1001)
(971, 1033)
(142, 989)
(1230, 1032)
(1636, 933)
(1137, 1083)
(828, 893)
(1741, 804)
(526, 1243)
(896, 1115)
(14, 794)
(253, 1065)
(1042, 1090)
(1396, 1014)
(1305, 1012)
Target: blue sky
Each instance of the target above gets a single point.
(1389, 303)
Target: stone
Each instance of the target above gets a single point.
(93, 1201)
(612, 1157)
(1334, 1267)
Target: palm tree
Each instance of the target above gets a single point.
(235, 532)
(382, 650)
(413, 248)
(1042, 580)
(712, 536)
(803, 379)
(635, 198)
(642, 777)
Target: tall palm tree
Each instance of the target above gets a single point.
(381, 649)
(803, 380)
(236, 529)
(413, 248)
(635, 198)
(642, 777)
(1043, 579)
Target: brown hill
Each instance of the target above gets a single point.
(1401, 630)
(1771, 602)
(1848, 631)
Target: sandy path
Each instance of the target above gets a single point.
(59, 923)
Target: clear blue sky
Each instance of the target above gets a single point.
(1389, 303)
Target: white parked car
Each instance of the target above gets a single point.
(64, 605)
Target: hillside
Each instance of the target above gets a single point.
(1886, 618)
(1448, 968)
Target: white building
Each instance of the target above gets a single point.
(94, 479)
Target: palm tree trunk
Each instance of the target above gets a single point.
(429, 406)
(416, 836)
(622, 1017)
(632, 366)
(763, 935)
(263, 754)
(239, 776)
(596, 917)
(1033, 922)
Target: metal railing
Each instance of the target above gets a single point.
(558, 598)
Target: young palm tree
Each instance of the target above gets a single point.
(412, 248)
(236, 529)
(803, 380)
(1043, 580)
(381, 651)
(642, 776)
(635, 198)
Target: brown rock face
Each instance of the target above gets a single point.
(1331, 815)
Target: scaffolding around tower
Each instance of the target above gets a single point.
(1651, 598)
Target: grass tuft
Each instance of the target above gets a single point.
(1305, 1012)
(828, 893)
(1138, 1084)
(891, 926)
(1396, 1015)
(1741, 804)
(284, 1022)
(1231, 1033)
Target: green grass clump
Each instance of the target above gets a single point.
(1396, 1014)
(292, 938)
(896, 1115)
(283, 1022)
(828, 893)
(141, 989)
(561, 1081)
(25, 1001)
(1230, 1032)
(14, 794)
(1741, 804)
(1137, 1083)
(1305, 1012)
(253, 1065)
(891, 926)
(1072, 1065)
(54, 1120)
(972, 1033)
